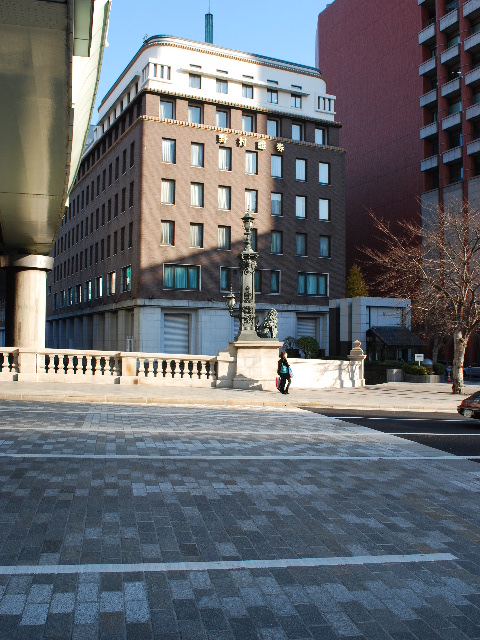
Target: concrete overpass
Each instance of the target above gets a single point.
(50, 58)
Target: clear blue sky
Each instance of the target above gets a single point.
(277, 28)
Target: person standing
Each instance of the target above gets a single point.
(283, 371)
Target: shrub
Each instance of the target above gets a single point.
(414, 369)
(439, 369)
(309, 346)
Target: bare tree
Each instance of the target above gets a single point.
(437, 265)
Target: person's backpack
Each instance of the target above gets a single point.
(283, 367)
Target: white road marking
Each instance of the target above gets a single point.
(223, 565)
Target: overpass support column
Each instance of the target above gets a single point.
(26, 300)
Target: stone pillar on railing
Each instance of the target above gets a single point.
(27, 365)
(129, 368)
(356, 357)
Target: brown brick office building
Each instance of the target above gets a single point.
(189, 138)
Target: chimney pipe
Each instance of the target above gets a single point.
(209, 27)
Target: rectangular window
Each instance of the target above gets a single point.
(312, 284)
(276, 166)
(130, 194)
(194, 81)
(102, 250)
(251, 162)
(320, 136)
(273, 128)
(176, 276)
(324, 247)
(276, 242)
(297, 132)
(296, 101)
(88, 290)
(224, 237)
(194, 114)
(117, 167)
(276, 204)
(168, 151)
(111, 283)
(97, 219)
(300, 170)
(247, 91)
(258, 281)
(225, 278)
(108, 247)
(115, 243)
(247, 123)
(250, 200)
(166, 109)
(323, 173)
(132, 153)
(98, 287)
(126, 279)
(110, 174)
(115, 206)
(323, 209)
(167, 195)
(274, 281)
(224, 198)
(130, 235)
(301, 244)
(124, 161)
(222, 86)
(69, 296)
(78, 294)
(221, 119)
(196, 194)
(254, 239)
(197, 155)
(98, 188)
(300, 207)
(224, 159)
(124, 197)
(122, 239)
(272, 96)
(96, 253)
(167, 232)
(196, 235)
(104, 180)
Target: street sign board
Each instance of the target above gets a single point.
(419, 357)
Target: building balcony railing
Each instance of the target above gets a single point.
(450, 88)
(472, 77)
(449, 20)
(473, 147)
(471, 9)
(428, 98)
(429, 130)
(429, 163)
(455, 120)
(450, 54)
(428, 66)
(452, 155)
(472, 43)
(427, 35)
(473, 112)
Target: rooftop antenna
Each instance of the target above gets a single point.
(209, 26)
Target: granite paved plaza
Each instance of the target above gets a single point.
(189, 522)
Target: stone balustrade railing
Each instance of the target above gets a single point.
(228, 369)
(107, 367)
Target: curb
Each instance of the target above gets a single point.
(251, 402)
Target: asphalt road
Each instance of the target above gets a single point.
(445, 432)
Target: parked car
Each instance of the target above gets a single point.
(470, 407)
(473, 371)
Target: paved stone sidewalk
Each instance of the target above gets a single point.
(393, 396)
(387, 530)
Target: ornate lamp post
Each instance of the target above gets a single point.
(247, 260)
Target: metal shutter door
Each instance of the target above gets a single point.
(307, 327)
(176, 333)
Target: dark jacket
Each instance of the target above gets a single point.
(285, 362)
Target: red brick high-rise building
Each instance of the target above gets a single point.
(368, 53)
